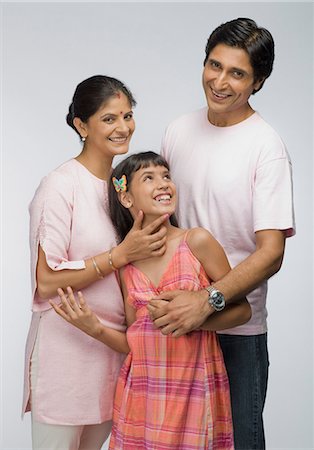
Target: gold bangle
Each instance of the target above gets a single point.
(99, 272)
(113, 267)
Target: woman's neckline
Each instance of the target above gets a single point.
(89, 172)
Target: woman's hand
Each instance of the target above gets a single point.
(141, 243)
(77, 313)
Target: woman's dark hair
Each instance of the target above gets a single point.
(121, 216)
(93, 93)
(257, 42)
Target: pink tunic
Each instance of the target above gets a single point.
(77, 374)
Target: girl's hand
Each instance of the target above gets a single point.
(77, 313)
(141, 243)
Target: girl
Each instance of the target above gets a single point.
(69, 377)
(172, 393)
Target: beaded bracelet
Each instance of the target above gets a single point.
(99, 272)
(113, 267)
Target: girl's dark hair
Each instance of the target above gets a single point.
(257, 42)
(121, 216)
(93, 93)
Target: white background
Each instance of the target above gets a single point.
(158, 50)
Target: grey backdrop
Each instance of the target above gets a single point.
(157, 49)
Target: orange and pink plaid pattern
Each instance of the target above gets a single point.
(172, 393)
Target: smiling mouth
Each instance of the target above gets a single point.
(219, 95)
(163, 198)
(119, 140)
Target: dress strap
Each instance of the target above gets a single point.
(186, 235)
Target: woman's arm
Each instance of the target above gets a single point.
(140, 243)
(81, 316)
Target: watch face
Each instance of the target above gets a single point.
(217, 300)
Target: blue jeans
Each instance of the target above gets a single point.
(246, 360)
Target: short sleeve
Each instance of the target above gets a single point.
(163, 148)
(167, 143)
(273, 196)
(51, 214)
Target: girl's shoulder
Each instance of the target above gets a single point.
(202, 243)
(198, 237)
(208, 251)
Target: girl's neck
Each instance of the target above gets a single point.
(172, 231)
(154, 267)
(98, 165)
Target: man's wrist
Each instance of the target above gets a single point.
(208, 309)
(215, 298)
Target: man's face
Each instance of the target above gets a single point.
(228, 82)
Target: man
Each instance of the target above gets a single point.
(233, 177)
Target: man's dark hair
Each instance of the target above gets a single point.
(257, 42)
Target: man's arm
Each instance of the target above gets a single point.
(258, 267)
(188, 310)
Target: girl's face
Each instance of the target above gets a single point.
(152, 191)
(109, 130)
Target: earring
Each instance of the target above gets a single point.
(83, 139)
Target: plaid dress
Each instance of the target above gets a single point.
(172, 393)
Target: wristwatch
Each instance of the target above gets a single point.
(216, 298)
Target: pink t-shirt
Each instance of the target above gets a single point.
(77, 374)
(233, 181)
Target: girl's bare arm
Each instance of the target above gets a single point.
(78, 314)
(213, 258)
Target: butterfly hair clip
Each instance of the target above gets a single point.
(120, 185)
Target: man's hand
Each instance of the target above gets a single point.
(179, 312)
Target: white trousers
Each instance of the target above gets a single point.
(69, 437)
(64, 437)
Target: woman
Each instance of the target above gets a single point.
(69, 377)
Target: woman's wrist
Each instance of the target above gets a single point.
(117, 257)
(110, 259)
(97, 269)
